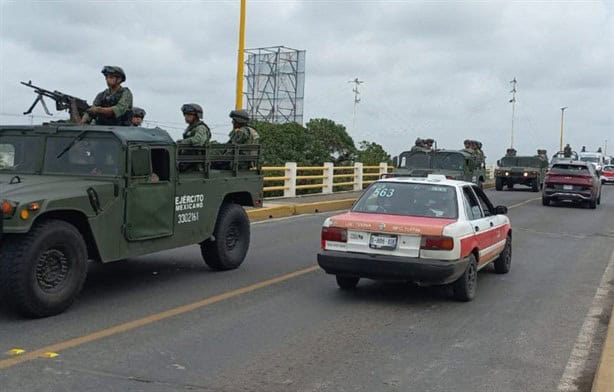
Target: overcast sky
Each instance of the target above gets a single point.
(431, 69)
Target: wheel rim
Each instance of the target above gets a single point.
(52, 270)
(232, 236)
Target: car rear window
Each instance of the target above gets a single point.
(609, 168)
(561, 168)
(411, 199)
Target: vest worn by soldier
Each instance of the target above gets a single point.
(244, 135)
(106, 99)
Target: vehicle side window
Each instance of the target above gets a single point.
(471, 204)
(161, 163)
(486, 205)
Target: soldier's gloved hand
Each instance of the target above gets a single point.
(93, 109)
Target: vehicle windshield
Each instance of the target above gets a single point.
(570, 169)
(415, 160)
(608, 168)
(448, 161)
(520, 161)
(20, 154)
(411, 199)
(88, 156)
(590, 159)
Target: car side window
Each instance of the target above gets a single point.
(471, 203)
(486, 205)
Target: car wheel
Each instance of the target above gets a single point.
(545, 201)
(499, 184)
(599, 198)
(503, 264)
(592, 204)
(43, 271)
(229, 246)
(465, 286)
(347, 282)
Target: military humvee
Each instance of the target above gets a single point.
(457, 165)
(70, 194)
(524, 170)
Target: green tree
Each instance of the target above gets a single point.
(371, 153)
(332, 140)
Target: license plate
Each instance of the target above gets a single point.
(385, 242)
(567, 187)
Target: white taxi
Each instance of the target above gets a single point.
(432, 231)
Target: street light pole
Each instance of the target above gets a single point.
(562, 113)
(239, 101)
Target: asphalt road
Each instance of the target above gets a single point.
(246, 332)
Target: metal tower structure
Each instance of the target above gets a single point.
(275, 84)
(513, 102)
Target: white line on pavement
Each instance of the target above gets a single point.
(584, 342)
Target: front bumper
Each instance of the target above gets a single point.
(425, 271)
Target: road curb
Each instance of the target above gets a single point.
(282, 211)
(604, 378)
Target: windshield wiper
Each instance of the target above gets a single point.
(71, 144)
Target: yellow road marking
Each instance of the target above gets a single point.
(121, 328)
(16, 351)
(50, 355)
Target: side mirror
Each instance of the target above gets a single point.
(395, 161)
(501, 210)
(499, 162)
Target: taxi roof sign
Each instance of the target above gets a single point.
(437, 177)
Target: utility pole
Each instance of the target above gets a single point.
(239, 101)
(513, 102)
(357, 83)
(562, 114)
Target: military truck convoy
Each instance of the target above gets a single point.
(454, 164)
(524, 170)
(71, 194)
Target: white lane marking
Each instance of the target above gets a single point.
(584, 342)
(523, 203)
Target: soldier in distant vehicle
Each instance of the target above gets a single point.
(510, 152)
(420, 145)
(429, 144)
(197, 133)
(242, 133)
(583, 148)
(112, 106)
(468, 146)
(567, 151)
(138, 115)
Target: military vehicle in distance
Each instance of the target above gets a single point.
(524, 170)
(456, 165)
(70, 194)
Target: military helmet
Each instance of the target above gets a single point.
(429, 141)
(239, 115)
(418, 141)
(138, 112)
(192, 108)
(113, 70)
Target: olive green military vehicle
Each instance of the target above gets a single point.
(457, 165)
(72, 194)
(523, 170)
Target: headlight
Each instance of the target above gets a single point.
(525, 174)
(507, 173)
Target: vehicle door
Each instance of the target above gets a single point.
(496, 225)
(480, 224)
(149, 194)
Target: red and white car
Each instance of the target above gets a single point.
(607, 174)
(431, 231)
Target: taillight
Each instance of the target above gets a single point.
(335, 234)
(437, 243)
(7, 208)
(385, 175)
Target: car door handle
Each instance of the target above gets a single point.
(491, 224)
(477, 228)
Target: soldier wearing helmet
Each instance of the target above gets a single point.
(197, 133)
(420, 145)
(429, 144)
(138, 115)
(112, 106)
(241, 133)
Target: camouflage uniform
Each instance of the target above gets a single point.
(197, 134)
(243, 134)
(419, 146)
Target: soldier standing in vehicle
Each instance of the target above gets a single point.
(242, 133)
(468, 147)
(567, 151)
(112, 106)
(138, 115)
(420, 145)
(429, 144)
(197, 133)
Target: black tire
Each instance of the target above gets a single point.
(465, 286)
(499, 184)
(503, 264)
(510, 185)
(347, 282)
(229, 246)
(592, 204)
(599, 198)
(545, 201)
(535, 185)
(43, 271)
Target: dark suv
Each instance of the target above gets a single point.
(575, 181)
